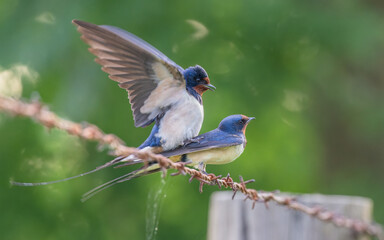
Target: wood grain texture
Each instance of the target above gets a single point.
(235, 219)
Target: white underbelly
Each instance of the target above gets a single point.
(216, 156)
(182, 122)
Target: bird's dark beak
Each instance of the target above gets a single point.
(209, 86)
(249, 119)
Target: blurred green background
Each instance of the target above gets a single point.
(311, 72)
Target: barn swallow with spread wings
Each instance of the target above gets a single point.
(158, 89)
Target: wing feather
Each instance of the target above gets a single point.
(122, 69)
(209, 140)
(137, 66)
(116, 63)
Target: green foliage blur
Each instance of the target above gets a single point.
(311, 72)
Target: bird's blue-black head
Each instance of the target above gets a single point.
(197, 79)
(235, 124)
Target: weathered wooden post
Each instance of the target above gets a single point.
(235, 219)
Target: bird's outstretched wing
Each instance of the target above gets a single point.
(209, 140)
(152, 80)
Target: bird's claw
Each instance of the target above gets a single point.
(201, 168)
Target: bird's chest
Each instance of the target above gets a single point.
(216, 155)
(182, 122)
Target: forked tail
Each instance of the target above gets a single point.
(145, 170)
(122, 160)
(108, 164)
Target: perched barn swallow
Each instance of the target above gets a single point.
(158, 89)
(220, 146)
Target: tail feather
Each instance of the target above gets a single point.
(103, 186)
(108, 164)
(118, 162)
(129, 176)
(144, 173)
(128, 164)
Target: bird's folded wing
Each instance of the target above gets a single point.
(210, 140)
(152, 80)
